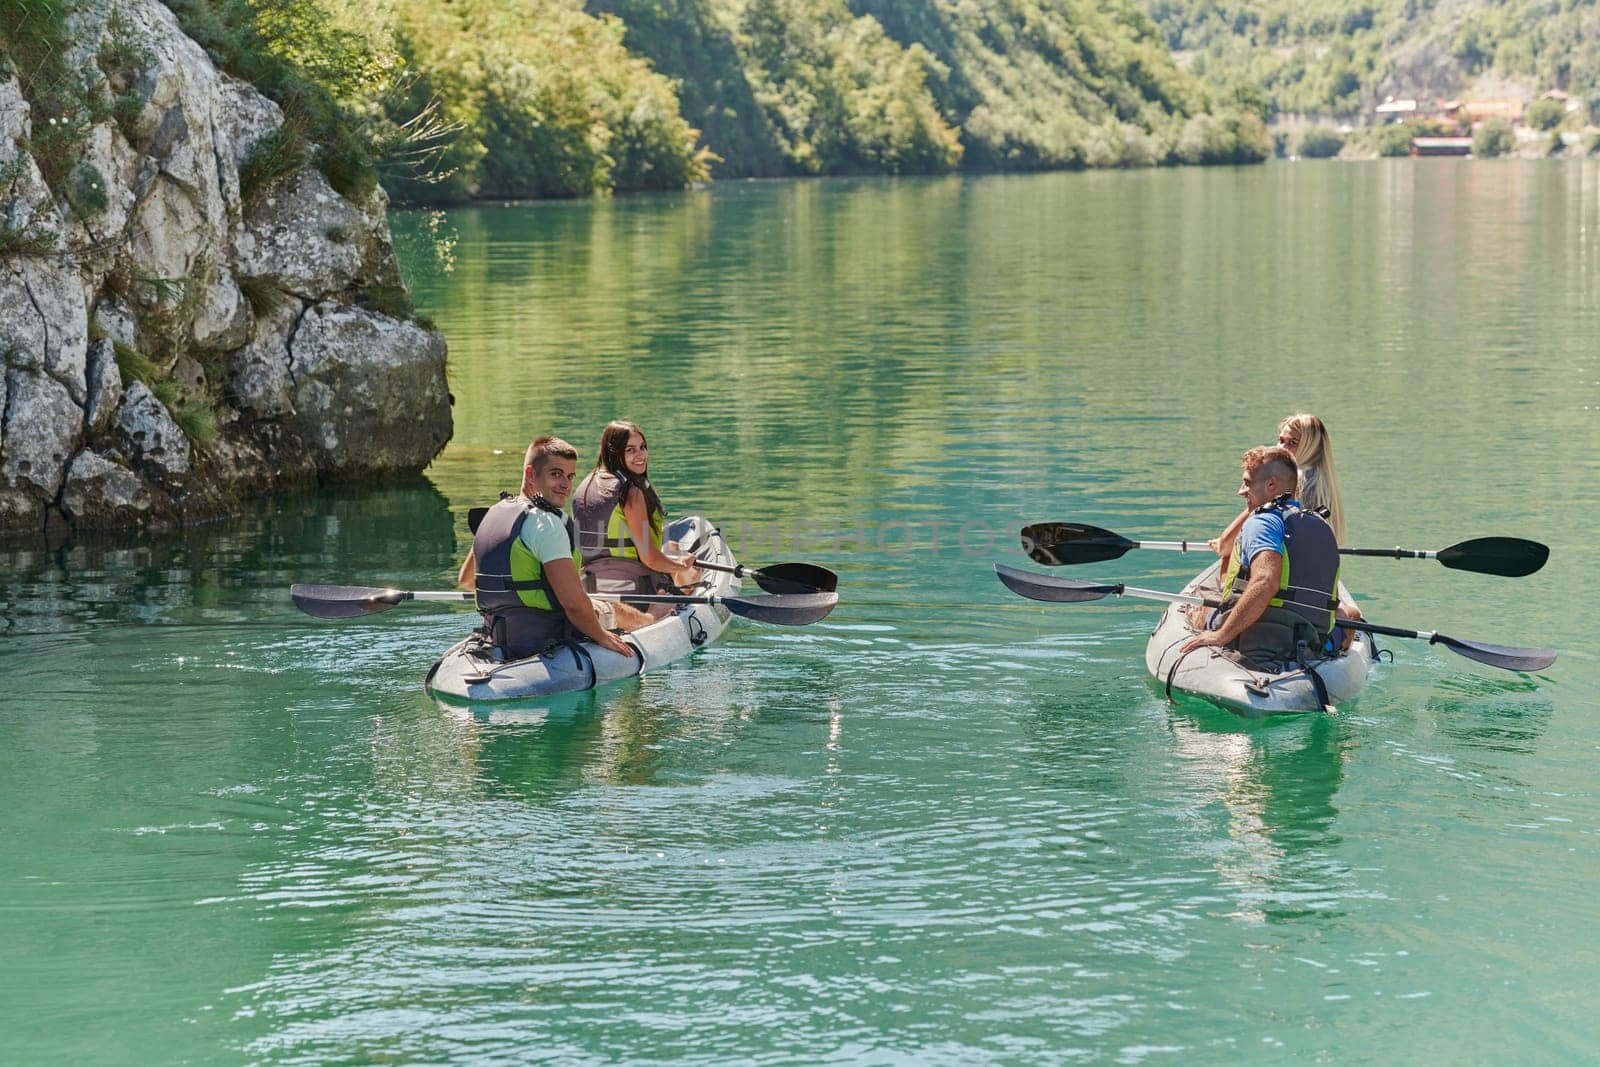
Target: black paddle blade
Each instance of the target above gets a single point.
(795, 578)
(1512, 659)
(794, 609)
(1509, 557)
(1056, 544)
(343, 601)
(1050, 589)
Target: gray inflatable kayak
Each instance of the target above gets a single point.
(1213, 674)
(470, 673)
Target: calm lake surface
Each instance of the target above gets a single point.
(946, 824)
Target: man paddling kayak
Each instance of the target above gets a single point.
(524, 565)
(1267, 618)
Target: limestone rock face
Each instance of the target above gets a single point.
(155, 442)
(28, 205)
(257, 375)
(114, 319)
(44, 322)
(100, 494)
(360, 380)
(196, 286)
(105, 387)
(43, 425)
(306, 238)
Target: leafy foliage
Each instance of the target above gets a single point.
(292, 51)
(1545, 114)
(1393, 139)
(547, 102)
(1318, 142)
(1342, 56)
(1031, 82)
(1493, 138)
(841, 95)
(883, 84)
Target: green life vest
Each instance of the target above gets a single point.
(510, 577)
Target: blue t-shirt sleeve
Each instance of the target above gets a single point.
(1263, 532)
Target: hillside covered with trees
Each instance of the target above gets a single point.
(469, 99)
(1340, 57)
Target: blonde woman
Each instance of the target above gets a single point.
(1306, 436)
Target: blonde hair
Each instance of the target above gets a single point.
(1313, 453)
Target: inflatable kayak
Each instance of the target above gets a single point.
(1216, 675)
(471, 673)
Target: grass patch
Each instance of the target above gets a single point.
(197, 419)
(169, 392)
(134, 365)
(274, 157)
(127, 111)
(33, 44)
(264, 297)
(390, 300)
(22, 241)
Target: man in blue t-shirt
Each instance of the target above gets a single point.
(1269, 474)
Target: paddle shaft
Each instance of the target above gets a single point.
(450, 595)
(1058, 544)
(353, 601)
(1068, 591)
(1351, 624)
(1201, 546)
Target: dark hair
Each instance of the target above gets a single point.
(546, 448)
(613, 458)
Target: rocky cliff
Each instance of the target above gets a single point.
(171, 340)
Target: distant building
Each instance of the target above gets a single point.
(1395, 110)
(1441, 146)
(1567, 100)
(1476, 111)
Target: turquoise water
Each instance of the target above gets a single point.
(946, 824)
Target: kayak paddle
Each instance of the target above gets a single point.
(781, 577)
(1051, 589)
(1057, 544)
(351, 601)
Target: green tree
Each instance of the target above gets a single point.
(1493, 138)
(1393, 139)
(1545, 114)
(1318, 142)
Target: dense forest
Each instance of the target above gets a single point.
(452, 100)
(533, 98)
(1339, 57)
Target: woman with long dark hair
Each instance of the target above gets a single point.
(620, 520)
